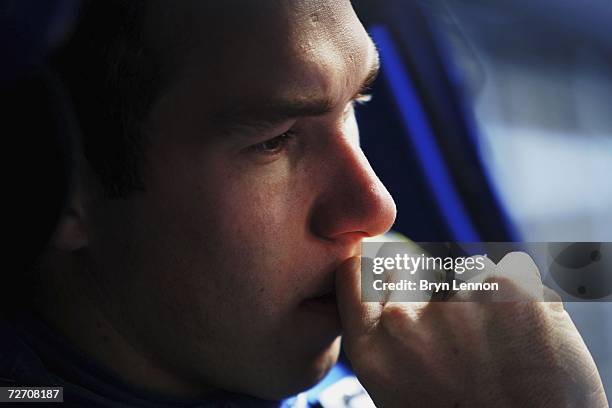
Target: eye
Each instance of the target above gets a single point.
(274, 145)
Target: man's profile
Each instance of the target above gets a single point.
(220, 199)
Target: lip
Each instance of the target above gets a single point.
(323, 300)
(325, 303)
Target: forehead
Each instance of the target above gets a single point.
(243, 49)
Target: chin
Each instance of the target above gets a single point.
(325, 361)
(303, 374)
(318, 368)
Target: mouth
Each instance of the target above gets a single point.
(325, 303)
(322, 300)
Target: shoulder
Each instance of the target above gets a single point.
(19, 363)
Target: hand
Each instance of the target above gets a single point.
(483, 353)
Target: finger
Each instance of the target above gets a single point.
(520, 268)
(357, 317)
(553, 299)
(475, 276)
(478, 274)
(521, 264)
(411, 311)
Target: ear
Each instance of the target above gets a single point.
(71, 232)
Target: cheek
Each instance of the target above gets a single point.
(261, 220)
(230, 229)
(238, 233)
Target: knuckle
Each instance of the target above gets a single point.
(552, 297)
(508, 290)
(503, 281)
(393, 320)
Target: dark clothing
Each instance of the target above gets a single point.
(32, 354)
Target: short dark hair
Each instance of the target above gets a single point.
(112, 73)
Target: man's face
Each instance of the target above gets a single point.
(256, 190)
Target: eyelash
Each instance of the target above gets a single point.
(282, 140)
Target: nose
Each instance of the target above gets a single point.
(353, 203)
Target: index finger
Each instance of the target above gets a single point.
(357, 317)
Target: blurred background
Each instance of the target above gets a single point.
(537, 77)
(500, 129)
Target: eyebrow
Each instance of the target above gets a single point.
(267, 114)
